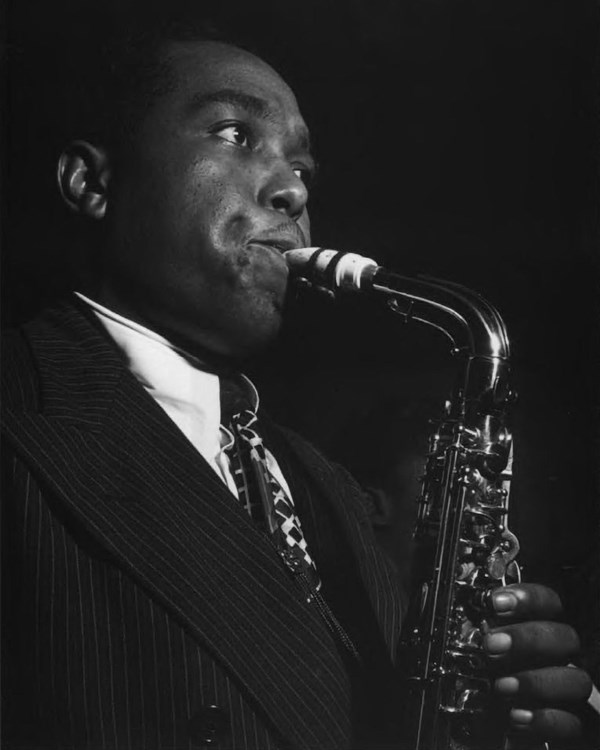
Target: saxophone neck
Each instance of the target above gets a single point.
(470, 322)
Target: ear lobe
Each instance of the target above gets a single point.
(83, 176)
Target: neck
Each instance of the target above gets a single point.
(199, 355)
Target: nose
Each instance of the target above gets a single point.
(285, 192)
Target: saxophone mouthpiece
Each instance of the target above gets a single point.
(331, 269)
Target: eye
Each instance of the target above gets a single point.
(235, 134)
(304, 174)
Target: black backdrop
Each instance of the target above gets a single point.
(457, 138)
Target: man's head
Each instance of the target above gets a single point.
(200, 199)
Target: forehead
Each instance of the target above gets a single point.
(202, 68)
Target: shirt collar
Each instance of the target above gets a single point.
(160, 366)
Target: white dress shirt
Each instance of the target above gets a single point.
(189, 395)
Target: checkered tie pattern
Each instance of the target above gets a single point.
(264, 497)
(270, 506)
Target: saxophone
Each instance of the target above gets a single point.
(463, 547)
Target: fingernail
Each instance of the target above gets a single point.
(505, 601)
(497, 643)
(507, 685)
(521, 716)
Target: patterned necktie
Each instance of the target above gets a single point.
(271, 507)
(265, 499)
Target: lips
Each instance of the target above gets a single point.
(282, 237)
(281, 244)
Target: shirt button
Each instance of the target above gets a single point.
(208, 725)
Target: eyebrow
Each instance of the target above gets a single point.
(254, 105)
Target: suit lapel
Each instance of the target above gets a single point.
(164, 517)
(378, 575)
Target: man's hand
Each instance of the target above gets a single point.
(530, 657)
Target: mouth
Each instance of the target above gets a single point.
(286, 236)
(281, 244)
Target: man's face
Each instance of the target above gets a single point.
(211, 194)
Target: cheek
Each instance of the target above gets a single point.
(215, 213)
(304, 224)
(212, 219)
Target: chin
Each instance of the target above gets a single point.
(255, 331)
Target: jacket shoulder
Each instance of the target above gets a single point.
(47, 359)
(18, 372)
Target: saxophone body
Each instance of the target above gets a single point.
(463, 547)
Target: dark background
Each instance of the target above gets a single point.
(459, 138)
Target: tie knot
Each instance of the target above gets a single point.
(236, 406)
(245, 424)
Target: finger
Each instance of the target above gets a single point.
(545, 723)
(551, 686)
(525, 601)
(528, 645)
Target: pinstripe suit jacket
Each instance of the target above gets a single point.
(143, 607)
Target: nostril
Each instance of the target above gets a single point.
(289, 203)
(280, 203)
(286, 197)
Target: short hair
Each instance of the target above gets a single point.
(89, 70)
(121, 70)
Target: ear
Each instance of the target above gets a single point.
(83, 178)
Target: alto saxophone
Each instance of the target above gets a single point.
(463, 548)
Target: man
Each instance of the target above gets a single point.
(145, 607)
